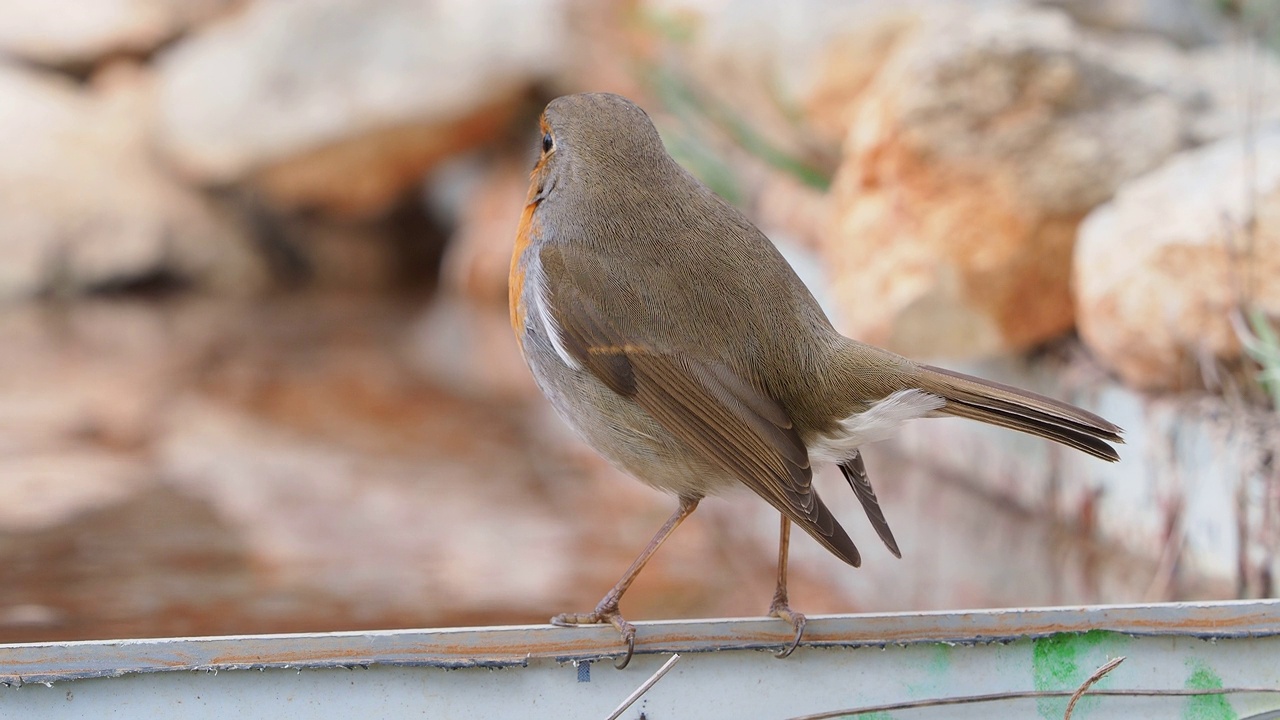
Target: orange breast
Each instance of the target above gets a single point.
(525, 235)
(528, 231)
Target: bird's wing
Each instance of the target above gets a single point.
(719, 416)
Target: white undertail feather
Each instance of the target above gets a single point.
(879, 422)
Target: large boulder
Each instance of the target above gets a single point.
(974, 154)
(1160, 269)
(345, 104)
(83, 205)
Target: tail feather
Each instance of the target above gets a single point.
(1010, 407)
(855, 471)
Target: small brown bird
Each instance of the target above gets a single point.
(672, 335)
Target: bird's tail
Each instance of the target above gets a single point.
(1010, 407)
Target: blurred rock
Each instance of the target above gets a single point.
(345, 256)
(775, 59)
(478, 257)
(464, 338)
(1186, 22)
(69, 32)
(973, 156)
(248, 470)
(787, 207)
(343, 105)
(81, 394)
(84, 206)
(396, 251)
(1238, 86)
(772, 85)
(364, 175)
(607, 49)
(977, 135)
(44, 490)
(50, 397)
(753, 95)
(1159, 269)
(470, 349)
(1220, 87)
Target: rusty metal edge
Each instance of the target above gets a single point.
(515, 646)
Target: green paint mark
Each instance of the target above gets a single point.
(940, 663)
(936, 661)
(1205, 707)
(1058, 663)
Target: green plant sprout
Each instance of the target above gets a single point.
(1262, 343)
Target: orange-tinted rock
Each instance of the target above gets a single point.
(972, 158)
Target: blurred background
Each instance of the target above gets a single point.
(256, 373)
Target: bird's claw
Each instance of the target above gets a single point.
(797, 620)
(603, 615)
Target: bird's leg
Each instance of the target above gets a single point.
(780, 607)
(607, 609)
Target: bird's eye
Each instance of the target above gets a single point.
(548, 143)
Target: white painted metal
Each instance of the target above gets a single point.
(725, 671)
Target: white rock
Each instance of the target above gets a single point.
(59, 32)
(1159, 269)
(362, 91)
(82, 203)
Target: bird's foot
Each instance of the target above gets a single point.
(781, 610)
(604, 613)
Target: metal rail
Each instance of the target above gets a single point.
(495, 647)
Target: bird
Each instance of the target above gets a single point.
(674, 338)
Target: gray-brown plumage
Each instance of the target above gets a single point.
(675, 338)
